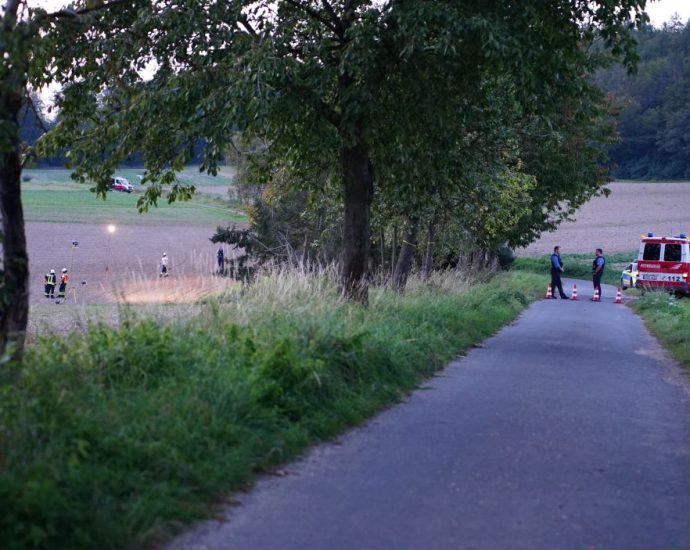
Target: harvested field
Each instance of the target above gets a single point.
(124, 267)
(108, 269)
(615, 223)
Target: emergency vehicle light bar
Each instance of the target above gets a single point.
(650, 234)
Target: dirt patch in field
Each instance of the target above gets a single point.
(124, 266)
(616, 222)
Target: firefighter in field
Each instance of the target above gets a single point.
(49, 284)
(64, 279)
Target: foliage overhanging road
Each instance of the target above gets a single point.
(568, 429)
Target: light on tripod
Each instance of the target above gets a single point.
(110, 228)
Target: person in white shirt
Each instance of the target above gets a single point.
(164, 266)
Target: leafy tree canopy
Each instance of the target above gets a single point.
(375, 92)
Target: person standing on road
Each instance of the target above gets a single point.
(556, 270)
(598, 269)
(164, 265)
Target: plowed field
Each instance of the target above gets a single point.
(616, 222)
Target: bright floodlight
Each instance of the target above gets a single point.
(111, 229)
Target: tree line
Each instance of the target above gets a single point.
(654, 106)
(394, 124)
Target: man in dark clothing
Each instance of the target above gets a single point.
(556, 270)
(598, 269)
(220, 255)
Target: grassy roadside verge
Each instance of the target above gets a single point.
(668, 318)
(110, 438)
(577, 266)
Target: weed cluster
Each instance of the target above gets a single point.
(110, 437)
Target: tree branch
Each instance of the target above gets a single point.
(30, 103)
(11, 7)
(334, 17)
(73, 14)
(247, 26)
(333, 25)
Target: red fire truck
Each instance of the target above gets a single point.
(664, 263)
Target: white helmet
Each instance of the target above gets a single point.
(164, 254)
(64, 270)
(52, 271)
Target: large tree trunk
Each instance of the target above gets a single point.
(407, 248)
(14, 291)
(358, 194)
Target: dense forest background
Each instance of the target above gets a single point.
(654, 121)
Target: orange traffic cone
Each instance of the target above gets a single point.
(573, 294)
(596, 295)
(549, 292)
(619, 297)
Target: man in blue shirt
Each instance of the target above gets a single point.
(598, 269)
(556, 270)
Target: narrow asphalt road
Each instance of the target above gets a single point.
(570, 428)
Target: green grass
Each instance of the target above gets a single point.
(668, 318)
(190, 175)
(50, 196)
(112, 437)
(577, 266)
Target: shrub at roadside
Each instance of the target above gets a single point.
(113, 436)
(668, 318)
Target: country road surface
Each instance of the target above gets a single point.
(570, 428)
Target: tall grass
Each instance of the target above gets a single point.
(668, 318)
(113, 437)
